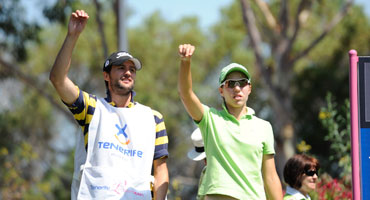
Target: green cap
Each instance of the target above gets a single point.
(232, 68)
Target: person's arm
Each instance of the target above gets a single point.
(270, 178)
(58, 74)
(161, 178)
(191, 102)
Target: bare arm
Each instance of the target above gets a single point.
(271, 179)
(189, 99)
(58, 74)
(161, 179)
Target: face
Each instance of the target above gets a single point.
(308, 182)
(121, 79)
(235, 94)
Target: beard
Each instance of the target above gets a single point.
(121, 89)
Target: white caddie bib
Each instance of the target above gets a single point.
(120, 152)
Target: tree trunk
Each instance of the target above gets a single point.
(277, 80)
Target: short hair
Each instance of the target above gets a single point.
(106, 82)
(296, 166)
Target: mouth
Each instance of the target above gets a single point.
(126, 80)
(238, 97)
(312, 184)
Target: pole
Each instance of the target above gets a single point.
(353, 60)
(122, 37)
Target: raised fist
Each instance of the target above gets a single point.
(186, 51)
(77, 22)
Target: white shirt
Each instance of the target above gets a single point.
(296, 195)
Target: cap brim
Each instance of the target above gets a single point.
(192, 154)
(238, 69)
(232, 68)
(136, 62)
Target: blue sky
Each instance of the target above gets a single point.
(207, 11)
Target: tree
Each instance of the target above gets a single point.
(328, 72)
(16, 31)
(278, 46)
(27, 143)
(337, 122)
(23, 132)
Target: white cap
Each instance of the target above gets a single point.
(197, 153)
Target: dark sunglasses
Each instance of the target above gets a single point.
(311, 172)
(231, 83)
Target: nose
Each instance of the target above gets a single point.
(315, 176)
(237, 87)
(127, 73)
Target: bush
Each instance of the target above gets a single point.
(332, 189)
(337, 122)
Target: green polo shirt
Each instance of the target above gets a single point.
(234, 151)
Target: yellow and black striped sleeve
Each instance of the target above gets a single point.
(83, 109)
(161, 139)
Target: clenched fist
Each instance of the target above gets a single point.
(186, 51)
(77, 22)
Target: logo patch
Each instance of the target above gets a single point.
(106, 63)
(122, 136)
(121, 54)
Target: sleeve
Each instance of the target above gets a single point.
(202, 124)
(161, 139)
(268, 146)
(83, 108)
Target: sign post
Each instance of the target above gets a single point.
(360, 124)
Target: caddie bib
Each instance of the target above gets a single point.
(120, 152)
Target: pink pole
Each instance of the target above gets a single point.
(353, 60)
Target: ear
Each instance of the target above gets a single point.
(221, 91)
(250, 89)
(106, 76)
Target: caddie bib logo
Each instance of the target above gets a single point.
(121, 136)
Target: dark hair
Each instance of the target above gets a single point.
(108, 69)
(296, 166)
(107, 88)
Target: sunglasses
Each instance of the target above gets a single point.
(311, 172)
(231, 83)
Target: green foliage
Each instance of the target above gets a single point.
(15, 30)
(14, 184)
(337, 122)
(326, 70)
(24, 145)
(59, 12)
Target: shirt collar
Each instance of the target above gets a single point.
(250, 112)
(296, 194)
(131, 104)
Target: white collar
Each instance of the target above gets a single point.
(250, 111)
(296, 194)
